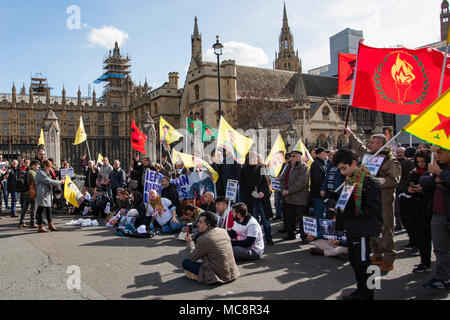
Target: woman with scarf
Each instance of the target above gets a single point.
(361, 218)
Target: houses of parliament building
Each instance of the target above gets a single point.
(290, 100)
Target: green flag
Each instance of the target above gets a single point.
(192, 125)
(208, 133)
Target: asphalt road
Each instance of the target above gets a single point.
(34, 266)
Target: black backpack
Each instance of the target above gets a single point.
(21, 181)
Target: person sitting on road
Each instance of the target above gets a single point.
(59, 203)
(224, 214)
(164, 212)
(214, 248)
(247, 238)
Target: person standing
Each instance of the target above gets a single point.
(166, 166)
(44, 184)
(11, 176)
(362, 219)
(91, 174)
(407, 166)
(440, 221)
(3, 183)
(383, 248)
(117, 178)
(29, 197)
(318, 173)
(294, 185)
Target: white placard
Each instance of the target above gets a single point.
(275, 184)
(231, 193)
(70, 172)
(375, 163)
(346, 194)
(310, 226)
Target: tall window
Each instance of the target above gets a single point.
(156, 108)
(5, 129)
(71, 130)
(326, 113)
(5, 114)
(197, 92)
(286, 44)
(23, 130)
(114, 117)
(101, 131)
(22, 115)
(87, 128)
(39, 116)
(101, 117)
(115, 131)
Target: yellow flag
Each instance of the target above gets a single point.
(276, 158)
(231, 140)
(81, 133)
(307, 158)
(100, 158)
(167, 134)
(195, 162)
(71, 192)
(433, 124)
(41, 139)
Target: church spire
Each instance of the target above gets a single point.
(287, 59)
(196, 59)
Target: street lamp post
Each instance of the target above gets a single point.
(218, 52)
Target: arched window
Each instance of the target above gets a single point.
(197, 92)
(289, 66)
(285, 66)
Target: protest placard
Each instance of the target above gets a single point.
(191, 186)
(310, 226)
(374, 164)
(345, 196)
(231, 192)
(70, 172)
(275, 184)
(328, 228)
(153, 181)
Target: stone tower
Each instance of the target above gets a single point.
(287, 59)
(196, 58)
(445, 23)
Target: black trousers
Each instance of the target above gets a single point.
(410, 219)
(359, 256)
(294, 214)
(48, 213)
(424, 240)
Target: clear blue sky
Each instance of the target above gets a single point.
(35, 37)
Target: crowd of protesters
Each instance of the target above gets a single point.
(409, 190)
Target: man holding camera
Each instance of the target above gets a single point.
(213, 247)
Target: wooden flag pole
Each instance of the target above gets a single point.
(89, 151)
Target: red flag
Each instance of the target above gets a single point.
(138, 139)
(347, 64)
(399, 80)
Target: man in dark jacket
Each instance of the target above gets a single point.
(401, 211)
(294, 183)
(440, 222)
(117, 178)
(169, 191)
(318, 173)
(362, 219)
(11, 177)
(231, 170)
(91, 173)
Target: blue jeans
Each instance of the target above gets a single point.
(278, 206)
(258, 211)
(172, 227)
(13, 202)
(318, 213)
(190, 266)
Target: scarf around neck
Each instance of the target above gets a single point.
(357, 179)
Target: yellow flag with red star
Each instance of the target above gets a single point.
(81, 135)
(433, 124)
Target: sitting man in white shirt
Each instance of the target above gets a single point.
(246, 235)
(164, 212)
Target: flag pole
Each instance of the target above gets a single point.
(89, 151)
(443, 72)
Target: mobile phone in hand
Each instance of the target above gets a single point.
(191, 228)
